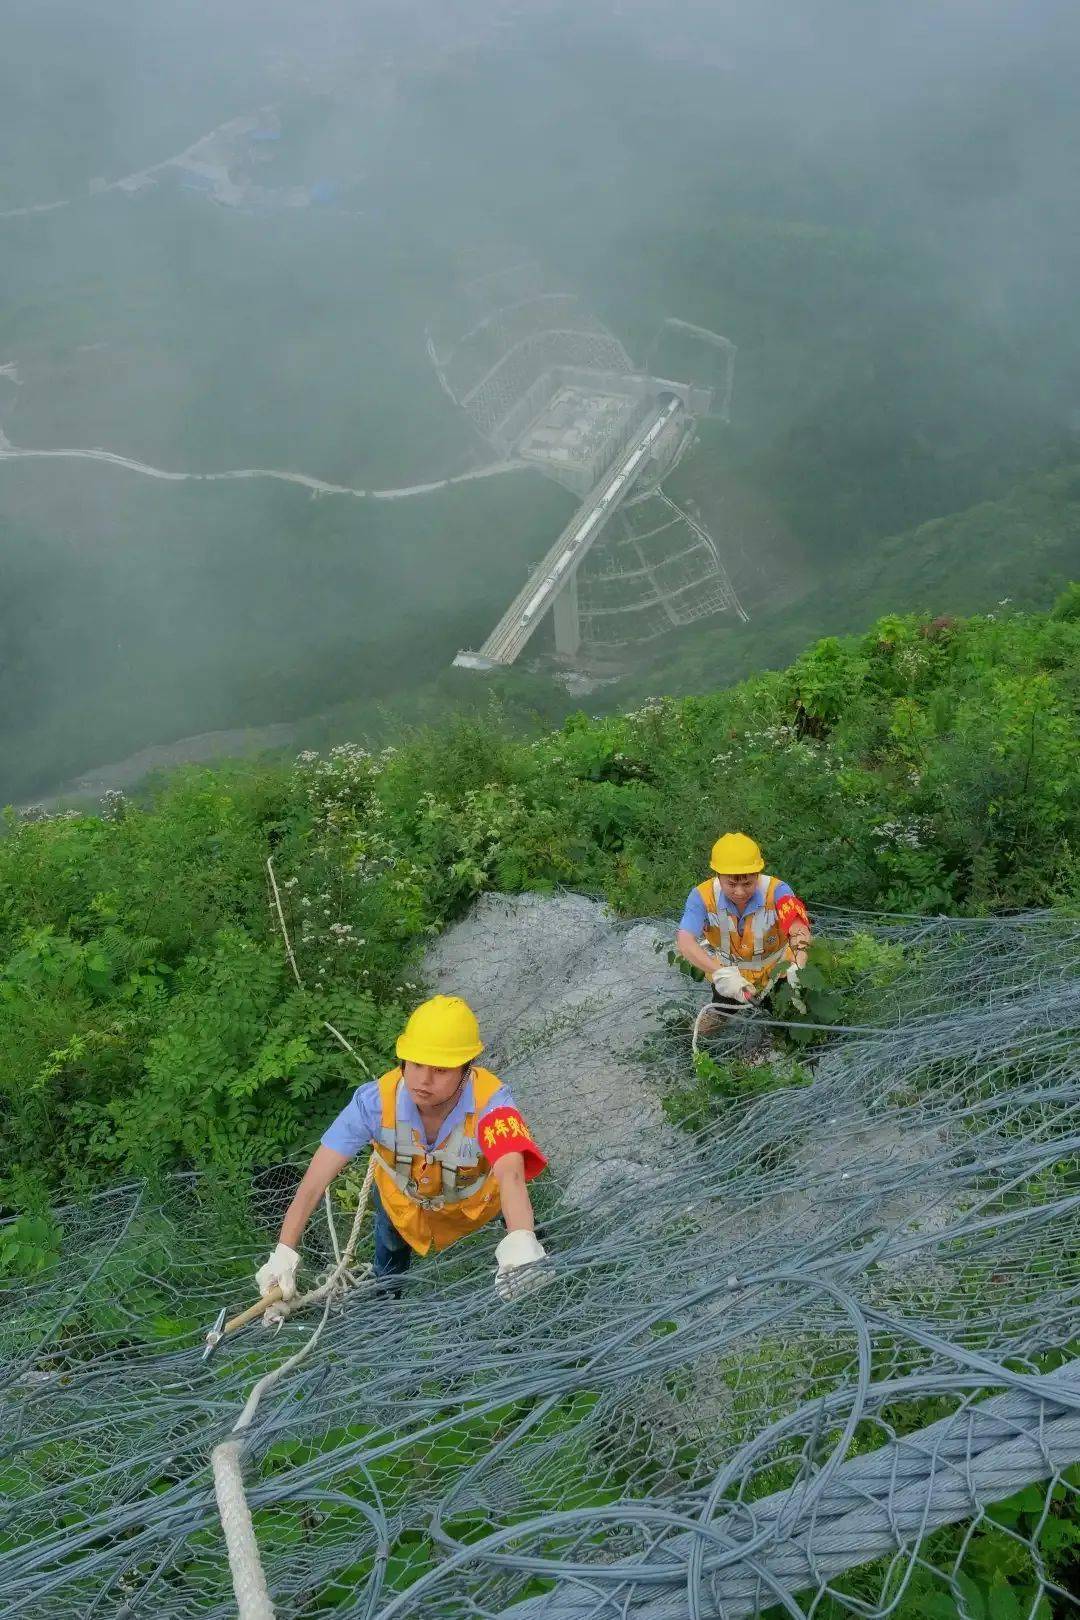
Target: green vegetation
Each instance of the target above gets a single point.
(134, 601)
(1015, 551)
(148, 1017)
(901, 445)
(233, 604)
(268, 356)
(997, 1569)
(900, 438)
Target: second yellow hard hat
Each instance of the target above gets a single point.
(735, 853)
(443, 1032)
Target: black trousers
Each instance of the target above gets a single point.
(392, 1254)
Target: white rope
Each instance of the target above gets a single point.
(249, 1583)
(226, 1460)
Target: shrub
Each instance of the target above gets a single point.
(148, 1013)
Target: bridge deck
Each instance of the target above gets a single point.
(509, 637)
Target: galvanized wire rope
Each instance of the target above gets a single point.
(705, 1413)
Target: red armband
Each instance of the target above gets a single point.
(504, 1131)
(789, 911)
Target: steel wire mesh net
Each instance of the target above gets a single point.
(810, 1321)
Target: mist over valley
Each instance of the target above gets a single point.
(229, 237)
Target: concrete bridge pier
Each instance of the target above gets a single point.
(566, 620)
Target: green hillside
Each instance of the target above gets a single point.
(147, 1016)
(887, 373)
(1023, 546)
(133, 615)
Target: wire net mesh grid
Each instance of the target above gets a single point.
(657, 569)
(797, 1344)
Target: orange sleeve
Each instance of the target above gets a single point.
(791, 910)
(501, 1131)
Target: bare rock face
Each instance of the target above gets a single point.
(567, 998)
(571, 1003)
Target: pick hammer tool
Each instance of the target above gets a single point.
(223, 1326)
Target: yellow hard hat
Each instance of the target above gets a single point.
(735, 853)
(443, 1032)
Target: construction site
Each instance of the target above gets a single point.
(546, 384)
(788, 1361)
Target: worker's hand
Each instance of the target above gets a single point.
(279, 1272)
(518, 1272)
(792, 977)
(729, 982)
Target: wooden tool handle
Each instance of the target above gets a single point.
(252, 1311)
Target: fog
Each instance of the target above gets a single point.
(876, 203)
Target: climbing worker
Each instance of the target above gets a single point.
(741, 926)
(451, 1152)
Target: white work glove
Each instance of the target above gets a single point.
(518, 1272)
(279, 1272)
(729, 982)
(792, 977)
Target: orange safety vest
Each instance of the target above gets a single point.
(755, 946)
(437, 1196)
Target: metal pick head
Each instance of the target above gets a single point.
(213, 1338)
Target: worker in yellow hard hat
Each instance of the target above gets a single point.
(743, 928)
(452, 1151)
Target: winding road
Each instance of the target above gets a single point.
(317, 486)
(210, 155)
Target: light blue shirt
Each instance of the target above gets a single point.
(360, 1121)
(695, 913)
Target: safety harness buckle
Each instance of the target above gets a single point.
(438, 1202)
